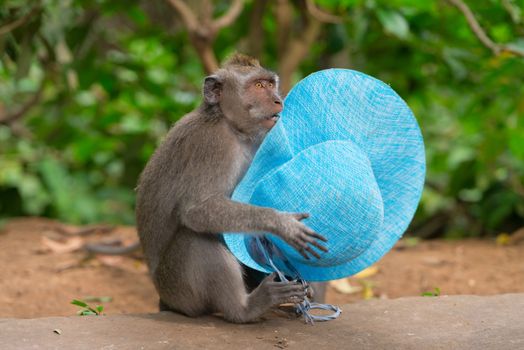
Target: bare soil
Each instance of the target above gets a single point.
(42, 270)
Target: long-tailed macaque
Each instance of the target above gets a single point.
(183, 200)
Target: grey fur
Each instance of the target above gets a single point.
(183, 202)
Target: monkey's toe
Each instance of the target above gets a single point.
(291, 292)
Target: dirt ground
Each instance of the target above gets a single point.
(43, 268)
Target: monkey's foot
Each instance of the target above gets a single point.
(286, 310)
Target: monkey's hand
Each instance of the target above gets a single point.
(278, 292)
(298, 235)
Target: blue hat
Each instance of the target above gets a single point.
(348, 151)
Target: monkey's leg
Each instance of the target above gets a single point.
(181, 276)
(241, 307)
(198, 275)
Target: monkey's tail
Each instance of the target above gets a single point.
(98, 248)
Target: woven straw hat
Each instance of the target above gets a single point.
(348, 150)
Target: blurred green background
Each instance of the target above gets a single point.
(89, 88)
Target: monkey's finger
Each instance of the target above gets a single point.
(301, 216)
(294, 299)
(316, 244)
(289, 289)
(272, 277)
(285, 285)
(302, 252)
(301, 242)
(320, 246)
(312, 252)
(300, 245)
(312, 233)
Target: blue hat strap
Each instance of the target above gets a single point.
(269, 250)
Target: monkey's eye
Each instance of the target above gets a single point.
(258, 84)
(270, 85)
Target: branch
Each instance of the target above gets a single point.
(203, 32)
(513, 10)
(230, 16)
(207, 56)
(10, 118)
(188, 17)
(496, 48)
(18, 22)
(284, 16)
(321, 15)
(256, 30)
(298, 48)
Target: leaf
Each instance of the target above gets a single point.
(108, 260)
(411, 242)
(343, 286)
(87, 313)
(368, 292)
(79, 303)
(435, 293)
(93, 311)
(70, 245)
(503, 239)
(100, 308)
(367, 272)
(394, 23)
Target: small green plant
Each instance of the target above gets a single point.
(87, 310)
(435, 293)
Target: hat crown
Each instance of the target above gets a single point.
(335, 177)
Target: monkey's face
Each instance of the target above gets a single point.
(262, 100)
(247, 96)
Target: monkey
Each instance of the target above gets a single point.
(183, 201)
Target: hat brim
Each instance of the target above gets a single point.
(345, 104)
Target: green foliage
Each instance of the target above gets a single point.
(115, 75)
(103, 110)
(435, 293)
(86, 310)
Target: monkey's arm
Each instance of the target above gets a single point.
(219, 214)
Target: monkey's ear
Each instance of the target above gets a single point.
(212, 89)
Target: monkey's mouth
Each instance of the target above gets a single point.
(273, 117)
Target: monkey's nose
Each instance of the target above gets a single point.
(278, 102)
(279, 106)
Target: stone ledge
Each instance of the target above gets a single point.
(447, 322)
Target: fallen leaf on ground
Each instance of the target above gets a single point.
(67, 246)
(343, 286)
(408, 242)
(502, 239)
(367, 293)
(367, 272)
(110, 260)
